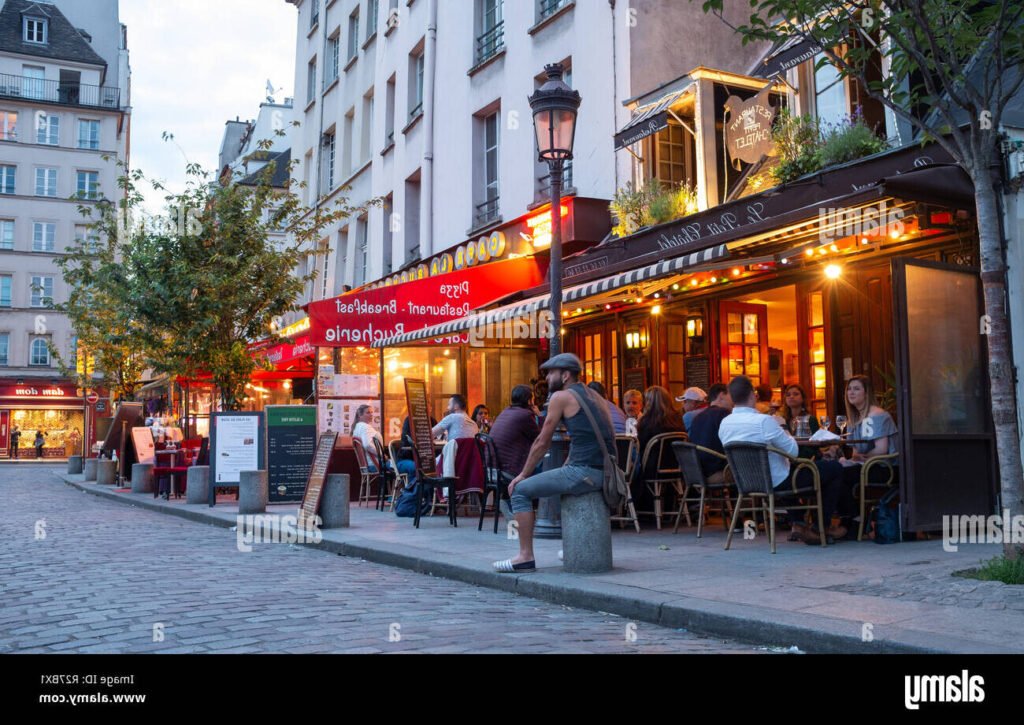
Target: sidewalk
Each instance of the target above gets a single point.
(852, 597)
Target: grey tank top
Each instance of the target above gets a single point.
(584, 449)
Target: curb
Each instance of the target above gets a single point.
(743, 623)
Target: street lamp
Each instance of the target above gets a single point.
(555, 106)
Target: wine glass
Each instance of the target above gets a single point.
(841, 424)
(825, 421)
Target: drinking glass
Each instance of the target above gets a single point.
(825, 421)
(841, 424)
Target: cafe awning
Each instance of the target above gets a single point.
(786, 54)
(650, 118)
(629, 278)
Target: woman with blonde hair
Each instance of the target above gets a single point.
(660, 416)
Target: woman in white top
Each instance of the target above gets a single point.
(363, 429)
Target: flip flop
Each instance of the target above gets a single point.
(507, 567)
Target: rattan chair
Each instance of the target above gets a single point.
(366, 477)
(866, 503)
(496, 479)
(688, 455)
(626, 454)
(667, 471)
(388, 475)
(752, 472)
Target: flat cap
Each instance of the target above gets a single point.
(563, 361)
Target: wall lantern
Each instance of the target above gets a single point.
(695, 327)
(636, 339)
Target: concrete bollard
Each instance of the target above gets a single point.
(89, 468)
(142, 478)
(586, 534)
(197, 485)
(75, 465)
(253, 492)
(334, 502)
(106, 472)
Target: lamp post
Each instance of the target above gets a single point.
(555, 107)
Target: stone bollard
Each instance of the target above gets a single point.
(586, 534)
(253, 492)
(142, 478)
(334, 502)
(197, 485)
(75, 465)
(89, 468)
(106, 472)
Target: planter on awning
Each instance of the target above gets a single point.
(573, 294)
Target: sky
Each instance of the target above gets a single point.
(196, 64)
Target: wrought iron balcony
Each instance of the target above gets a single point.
(490, 42)
(550, 7)
(67, 94)
(486, 212)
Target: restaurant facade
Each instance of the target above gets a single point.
(56, 408)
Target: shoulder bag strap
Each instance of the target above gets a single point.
(598, 433)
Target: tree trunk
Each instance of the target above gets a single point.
(1000, 359)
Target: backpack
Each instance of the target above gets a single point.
(886, 519)
(405, 507)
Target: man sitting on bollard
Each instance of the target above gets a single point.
(583, 471)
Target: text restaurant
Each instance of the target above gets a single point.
(865, 267)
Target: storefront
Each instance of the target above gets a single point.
(55, 409)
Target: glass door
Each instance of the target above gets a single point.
(744, 341)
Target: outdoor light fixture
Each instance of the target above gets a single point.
(555, 107)
(656, 310)
(695, 327)
(636, 339)
(833, 271)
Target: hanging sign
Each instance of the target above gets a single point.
(748, 128)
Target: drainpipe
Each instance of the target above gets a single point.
(427, 172)
(615, 94)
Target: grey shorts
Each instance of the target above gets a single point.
(573, 480)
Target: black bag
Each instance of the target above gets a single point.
(886, 519)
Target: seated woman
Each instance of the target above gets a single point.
(867, 422)
(660, 416)
(362, 428)
(482, 417)
(794, 405)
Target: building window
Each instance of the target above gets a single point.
(314, 15)
(674, 155)
(35, 30)
(491, 38)
(366, 131)
(347, 149)
(8, 126)
(372, 11)
(88, 184)
(42, 292)
(5, 290)
(333, 50)
(40, 352)
(46, 182)
(389, 111)
(88, 134)
(411, 223)
(353, 34)
(44, 236)
(487, 198)
(33, 81)
(550, 7)
(7, 174)
(326, 256)
(48, 130)
(6, 234)
(388, 230)
(362, 261)
(830, 102)
(416, 65)
(311, 81)
(818, 404)
(327, 164)
(5, 348)
(87, 238)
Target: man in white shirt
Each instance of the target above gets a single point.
(456, 424)
(747, 425)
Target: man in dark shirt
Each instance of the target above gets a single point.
(704, 430)
(515, 429)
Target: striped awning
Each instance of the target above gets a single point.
(650, 118)
(487, 318)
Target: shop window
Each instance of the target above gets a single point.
(744, 338)
(438, 366)
(593, 358)
(816, 353)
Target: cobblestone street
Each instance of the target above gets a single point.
(80, 574)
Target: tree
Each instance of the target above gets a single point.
(950, 68)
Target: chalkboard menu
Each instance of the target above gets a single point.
(635, 379)
(291, 444)
(698, 372)
(419, 423)
(316, 480)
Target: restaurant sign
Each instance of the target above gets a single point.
(748, 128)
(361, 319)
(36, 391)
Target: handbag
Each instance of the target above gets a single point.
(614, 484)
(887, 519)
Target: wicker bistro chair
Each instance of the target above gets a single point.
(496, 479)
(750, 468)
(667, 471)
(626, 454)
(694, 478)
(868, 503)
(387, 483)
(367, 477)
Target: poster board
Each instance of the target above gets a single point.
(317, 477)
(419, 424)
(236, 444)
(698, 372)
(291, 447)
(145, 446)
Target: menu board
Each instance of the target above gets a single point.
(419, 423)
(236, 445)
(145, 447)
(317, 477)
(291, 444)
(356, 386)
(325, 381)
(698, 372)
(338, 415)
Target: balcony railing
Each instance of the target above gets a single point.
(68, 94)
(486, 212)
(550, 7)
(490, 42)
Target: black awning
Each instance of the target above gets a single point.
(649, 118)
(789, 54)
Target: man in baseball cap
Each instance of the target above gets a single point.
(693, 402)
(583, 471)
